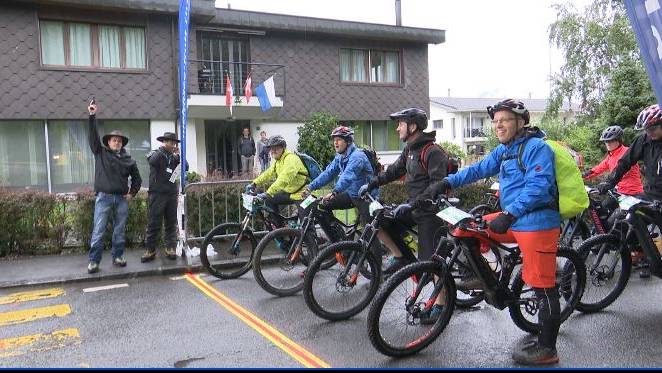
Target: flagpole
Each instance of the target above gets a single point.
(184, 16)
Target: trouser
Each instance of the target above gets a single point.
(247, 164)
(429, 231)
(105, 206)
(162, 206)
(274, 202)
(341, 201)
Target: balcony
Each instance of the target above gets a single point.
(207, 85)
(476, 134)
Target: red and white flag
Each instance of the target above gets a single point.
(248, 92)
(228, 92)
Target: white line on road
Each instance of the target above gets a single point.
(107, 287)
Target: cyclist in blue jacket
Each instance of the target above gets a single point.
(352, 168)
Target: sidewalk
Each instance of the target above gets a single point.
(58, 269)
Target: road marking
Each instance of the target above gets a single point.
(27, 296)
(300, 354)
(22, 316)
(107, 287)
(39, 342)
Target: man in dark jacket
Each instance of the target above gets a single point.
(112, 168)
(247, 151)
(163, 193)
(422, 163)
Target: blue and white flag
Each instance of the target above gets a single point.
(646, 19)
(266, 94)
(184, 15)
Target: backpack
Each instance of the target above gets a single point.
(373, 159)
(572, 197)
(453, 163)
(313, 168)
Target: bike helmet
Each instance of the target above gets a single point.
(649, 117)
(344, 133)
(514, 106)
(611, 133)
(412, 115)
(277, 140)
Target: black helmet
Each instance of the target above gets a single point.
(277, 140)
(514, 106)
(611, 133)
(344, 133)
(412, 115)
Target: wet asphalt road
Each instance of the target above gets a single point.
(164, 322)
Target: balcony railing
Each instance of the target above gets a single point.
(211, 76)
(474, 132)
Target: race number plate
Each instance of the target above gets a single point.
(306, 202)
(453, 215)
(495, 185)
(374, 207)
(247, 201)
(626, 202)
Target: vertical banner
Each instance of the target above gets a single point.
(646, 20)
(184, 15)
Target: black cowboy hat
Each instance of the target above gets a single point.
(167, 136)
(125, 140)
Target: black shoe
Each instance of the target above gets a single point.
(93, 267)
(148, 256)
(431, 315)
(171, 253)
(531, 353)
(395, 264)
(119, 261)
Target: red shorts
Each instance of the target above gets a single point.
(538, 250)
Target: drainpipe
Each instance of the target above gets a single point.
(398, 13)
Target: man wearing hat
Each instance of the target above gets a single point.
(163, 192)
(112, 168)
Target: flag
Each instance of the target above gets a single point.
(646, 19)
(247, 88)
(228, 92)
(184, 17)
(266, 94)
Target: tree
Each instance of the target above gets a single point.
(314, 137)
(453, 149)
(593, 44)
(629, 92)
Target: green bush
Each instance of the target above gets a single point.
(469, 195)
(314, 137)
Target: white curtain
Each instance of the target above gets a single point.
(392, 67)
(109, 42)
(358, 66)
(23, 155)
(79, 44)
(72, 162)
(135, 47)
(52, 42)
(344, 65)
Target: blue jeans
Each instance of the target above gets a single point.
(105, 207)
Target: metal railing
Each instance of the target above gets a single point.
(211, 76)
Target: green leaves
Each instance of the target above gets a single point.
(314, 137)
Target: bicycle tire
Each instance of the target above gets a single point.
(579, 272)
(483, 209)
(225, 270)
(316, 271)
(386, 293)
(597, 278)
(261, 262)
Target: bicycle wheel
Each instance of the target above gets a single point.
(231, 251)
(608, 267)
(278, 266)
(570, 280)
(341, 291)
(394, 325)
(572, 238)
(482, 210)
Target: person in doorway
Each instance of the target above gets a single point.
(263, 152)
(247, 152)
(113, 167)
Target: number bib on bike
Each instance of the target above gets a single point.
(247, 201)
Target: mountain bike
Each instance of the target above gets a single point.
(394, 318)
(233, 244)
(608, 256)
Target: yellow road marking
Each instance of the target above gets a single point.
(27, 296)
(38, 342)
(300, 354)
(31, 314)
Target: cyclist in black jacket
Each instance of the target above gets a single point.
(419, 175)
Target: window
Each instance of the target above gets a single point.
(221, 55)
(438, 124)
(89, 45)
(453, 127)
(369, 66)
(381, 135)
(23, 155)
(474, 128)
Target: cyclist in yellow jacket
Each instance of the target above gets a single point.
(289, 173)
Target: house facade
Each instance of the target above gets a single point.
(464, 121)
(58, 54)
